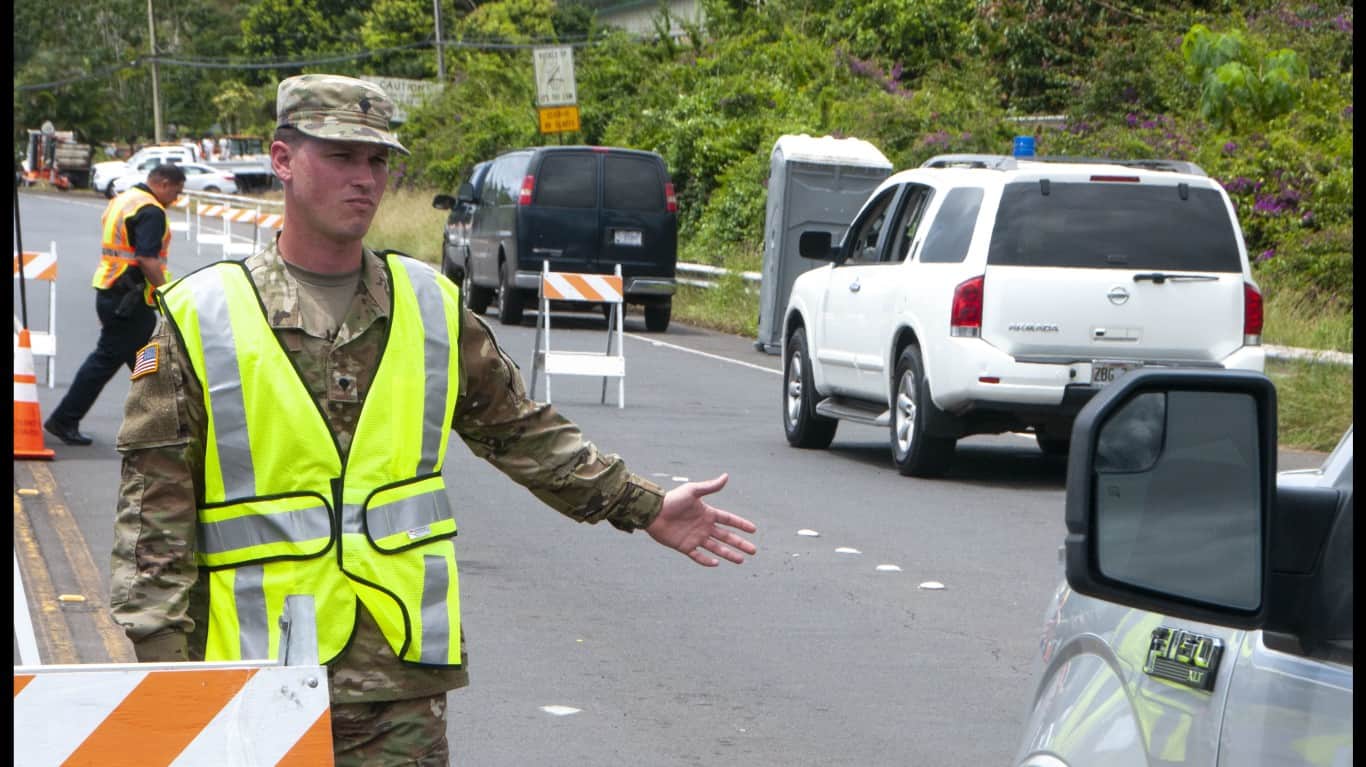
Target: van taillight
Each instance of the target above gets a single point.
(1252, 316)
(670, 201)
(965, 319)
(528, 186)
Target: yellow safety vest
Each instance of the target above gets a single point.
(116, 247)
(282, 514)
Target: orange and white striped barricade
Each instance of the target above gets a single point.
(183, 203)
(586, 288)
(203, 236)
(179, 714)
(232, 248)
(43, 267)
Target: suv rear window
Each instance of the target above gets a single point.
(633, 183)
(568, 181)
(1114, 226)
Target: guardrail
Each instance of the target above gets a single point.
(1281, 353)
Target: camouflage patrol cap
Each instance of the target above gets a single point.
(336, 108)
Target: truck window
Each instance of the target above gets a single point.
(1114, 226)
(632, 183)
(951, 231)
(568, 181)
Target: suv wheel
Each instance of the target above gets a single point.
(509, 300)
(915, 453)
(801, 424)
(657, 316)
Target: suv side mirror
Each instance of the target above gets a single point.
(1170, 494)
(465, 193)
(816, 246)
(443, 202)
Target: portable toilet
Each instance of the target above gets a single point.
(813, 184)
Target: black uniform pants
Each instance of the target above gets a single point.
(119, 341)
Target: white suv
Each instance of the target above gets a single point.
(982, 294)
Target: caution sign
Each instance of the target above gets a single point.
(559, 119)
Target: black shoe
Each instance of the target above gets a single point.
(66, 433)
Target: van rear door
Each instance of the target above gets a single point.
(636, 227)
(1131, 267)
(561, 223)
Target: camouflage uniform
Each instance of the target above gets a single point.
(155, 592)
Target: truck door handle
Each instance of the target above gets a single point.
(854, 287)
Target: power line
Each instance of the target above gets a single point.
(247, 66)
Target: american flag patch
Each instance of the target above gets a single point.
(146, 361)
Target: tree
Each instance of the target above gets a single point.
(1238, 83)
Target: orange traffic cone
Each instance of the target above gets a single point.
(28, 422)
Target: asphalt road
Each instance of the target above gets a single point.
(592, 647)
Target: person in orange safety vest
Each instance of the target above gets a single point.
(133, 247)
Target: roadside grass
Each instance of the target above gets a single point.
(407, 222)
(1292, 318)
(1314, 403)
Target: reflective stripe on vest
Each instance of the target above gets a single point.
(116, 247)
(272, 505)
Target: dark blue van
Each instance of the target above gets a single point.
(582, 208)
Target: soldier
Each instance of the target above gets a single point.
(287, 434)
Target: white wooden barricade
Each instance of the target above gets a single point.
(252, 712)
(183, 203)
(42, 267)
(579, 287)
(232, 209)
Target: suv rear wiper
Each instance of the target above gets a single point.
(1158, 277)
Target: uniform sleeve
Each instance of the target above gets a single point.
(539, 448)
(153, 565)
(148, 228)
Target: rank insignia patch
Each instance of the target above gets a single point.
(146, 361)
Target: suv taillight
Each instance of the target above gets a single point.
(670, 201)
(1252, 316)
(528, 186)
(966, 317)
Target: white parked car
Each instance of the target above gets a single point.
(1205, 614)
(982, 294)
(198, 178)
(103, 173)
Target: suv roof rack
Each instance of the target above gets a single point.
(988, 161)
(1174, 166)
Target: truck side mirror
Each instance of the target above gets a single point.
(1170, 495)
(465, 193)
(816, 246)
(443, 202)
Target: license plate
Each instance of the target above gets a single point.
(629, 237)
(1103, 373)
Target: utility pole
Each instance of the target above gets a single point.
(156, 91)
(440, 50)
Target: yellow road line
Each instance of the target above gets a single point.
(78, 555)
(54, 635)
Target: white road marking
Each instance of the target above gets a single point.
(656, 342)
(679, 479)
(932, 585)
(23, 622)
(560, 710)
(888, 569)
(808, 533)
(847, 550)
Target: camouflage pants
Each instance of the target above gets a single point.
(395, 733)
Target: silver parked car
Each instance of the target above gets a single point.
(198, 178)
(1205, 617)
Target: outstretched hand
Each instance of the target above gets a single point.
(694, 527)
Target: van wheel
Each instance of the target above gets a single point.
(800, 423)
(1051, 445)
(657, 316)
(509, 300)
(109, 190)
(915, 453)
(476, 298)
